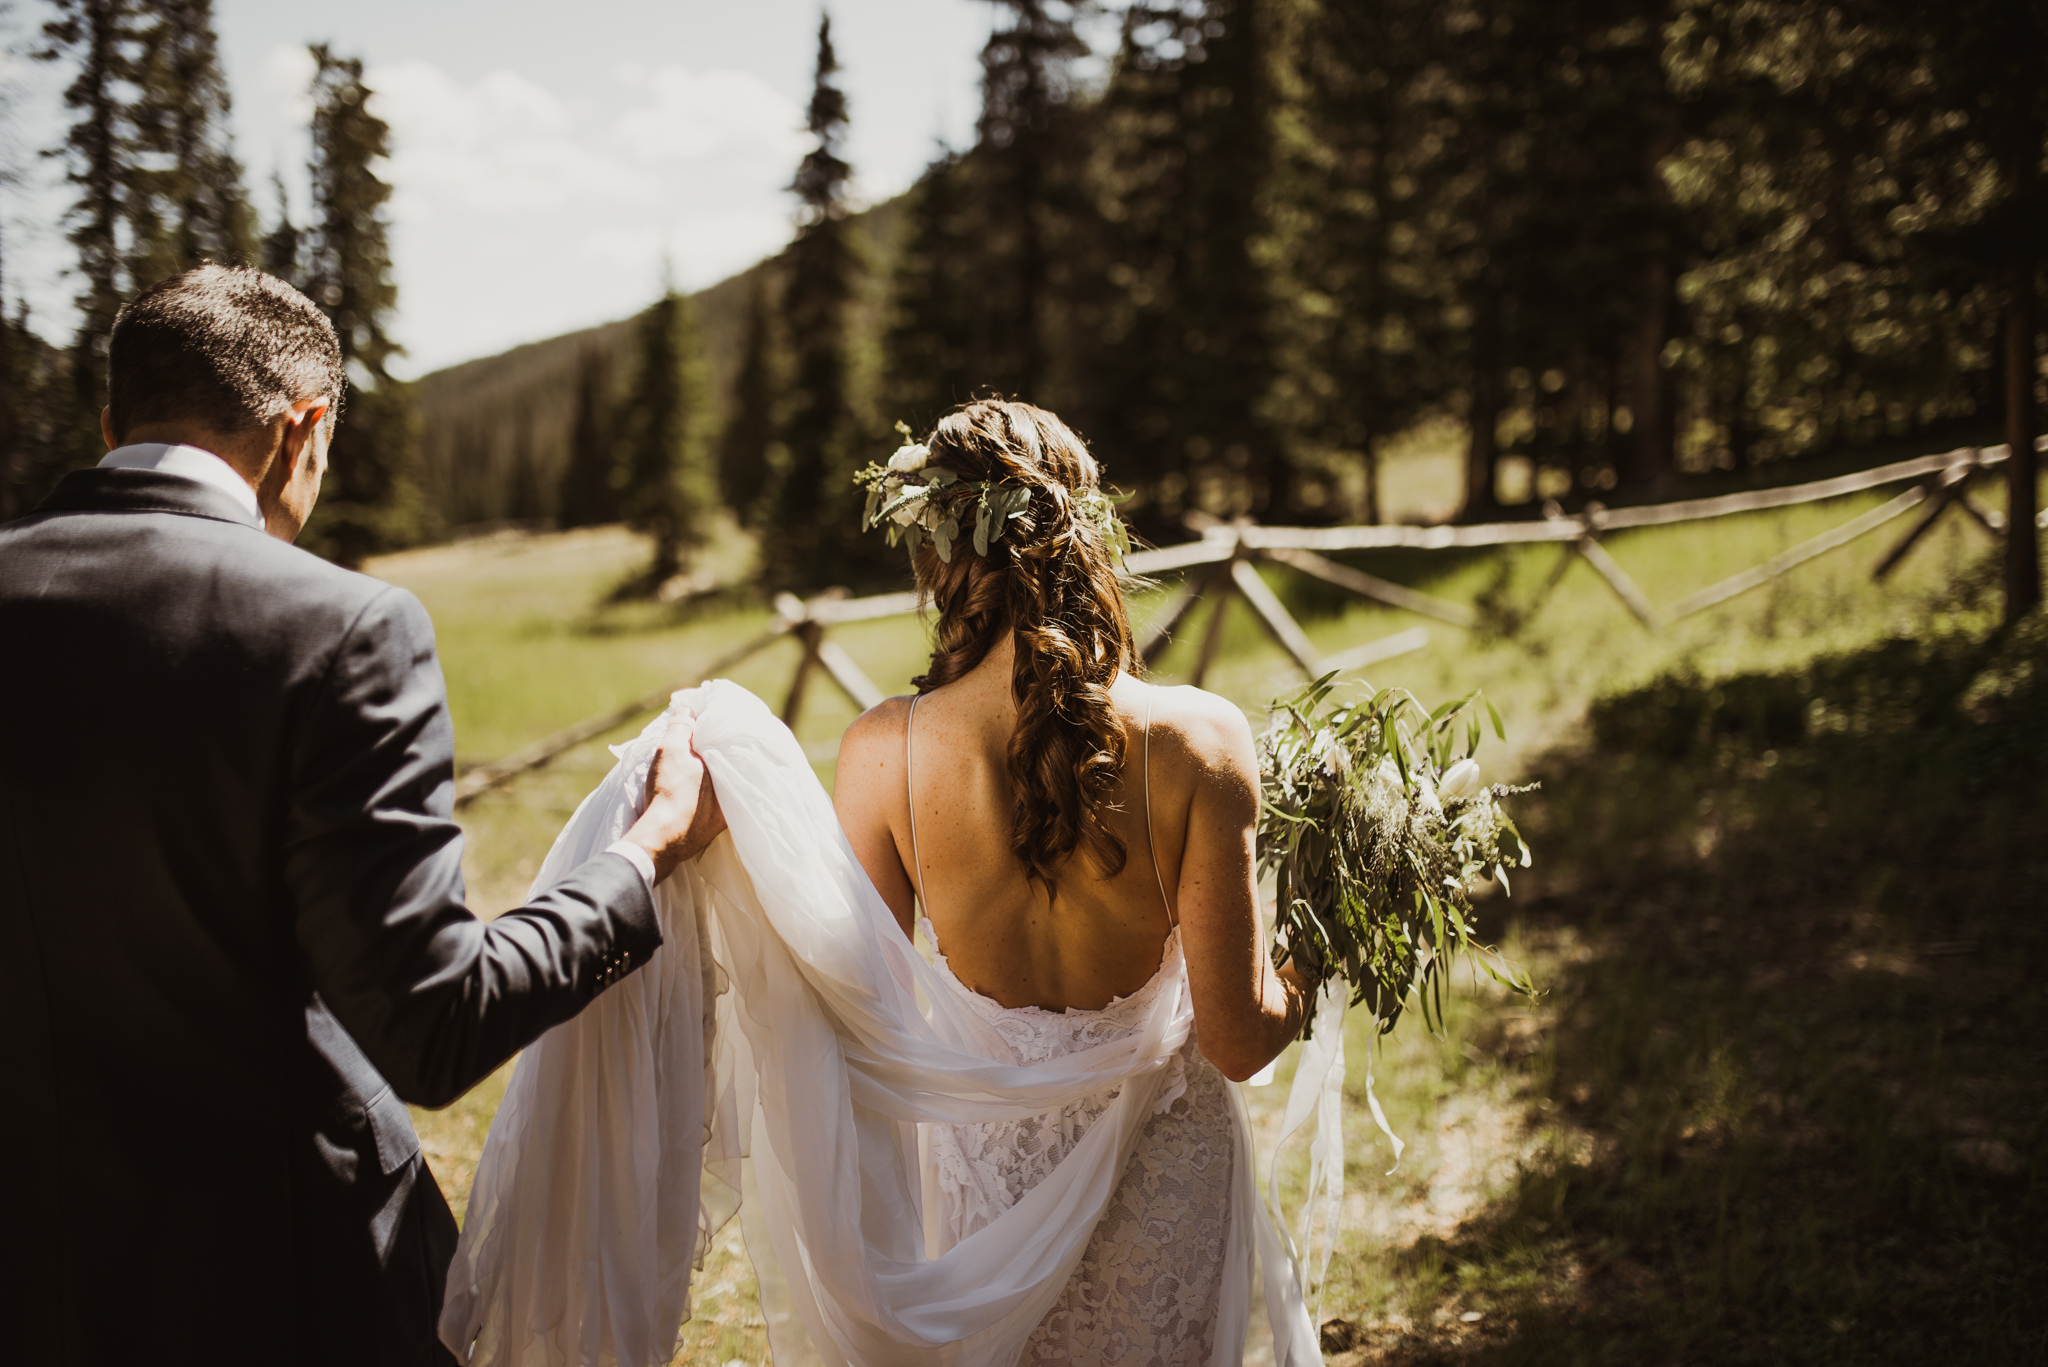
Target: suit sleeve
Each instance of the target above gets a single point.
(436, 997)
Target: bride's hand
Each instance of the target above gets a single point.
(682, 815)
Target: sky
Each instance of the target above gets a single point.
(546, 158)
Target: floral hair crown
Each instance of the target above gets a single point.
(911, 499)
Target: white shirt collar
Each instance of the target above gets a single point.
(188, 462)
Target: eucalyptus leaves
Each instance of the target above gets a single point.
(1376, 823)
(912, 499)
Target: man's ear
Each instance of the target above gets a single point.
(300, 423)
(107, 427)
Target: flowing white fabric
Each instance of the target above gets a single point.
(785, 1045)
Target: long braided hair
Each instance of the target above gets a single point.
(1051, 583)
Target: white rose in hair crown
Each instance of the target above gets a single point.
(911, 500)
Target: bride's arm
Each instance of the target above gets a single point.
(1246, 1011)
(870, 797)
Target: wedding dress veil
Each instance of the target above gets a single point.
(775, 1059)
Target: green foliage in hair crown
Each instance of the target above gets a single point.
(912, 500)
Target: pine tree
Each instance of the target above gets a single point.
(15, 465)
(590, 494)
(280, 246)
(1553, 226)
(1982, 75)
(99, 154)
(1025, 161)
(1851, 190)
(1359, 296)
(186, 201)
(670, 487)
(1186, 372)
(809, 535)
(744, 454)
(15, 469)
(927, 348)
(370, 502)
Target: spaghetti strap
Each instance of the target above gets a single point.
(1151, 845)
(910, 798)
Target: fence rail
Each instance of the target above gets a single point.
(1226, 555)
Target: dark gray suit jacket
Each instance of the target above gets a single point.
(233, 942)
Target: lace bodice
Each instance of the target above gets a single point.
(1145, 1288)
(988, 1167)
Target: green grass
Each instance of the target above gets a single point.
(1782, 1100)
(1764, 1111)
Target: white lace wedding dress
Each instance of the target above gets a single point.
(923, 1176)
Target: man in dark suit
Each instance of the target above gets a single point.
(233, 942)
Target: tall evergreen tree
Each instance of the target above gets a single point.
(16, 468)
(525, 500)
(279, 253)
(1982, 73)
(589, 495)
(1025, 159)
(809, 535)
(744, 447)
(1556, 230)
(670, 485)
(370, 503)
(98, 152)
(1186, 373)
(1360, 301)
(928, 342)
(186, 200)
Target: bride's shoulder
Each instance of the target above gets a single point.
(876, 735)
(868, 782)
(1208, 730)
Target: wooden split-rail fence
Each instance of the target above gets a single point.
(1222, 564)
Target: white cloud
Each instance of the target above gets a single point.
(517, 216)
(694, 117)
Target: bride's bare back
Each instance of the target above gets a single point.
(1101, 937)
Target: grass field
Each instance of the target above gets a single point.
(1780, 1098)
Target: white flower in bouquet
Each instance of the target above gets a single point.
(1461, 780)
(1375, 824)
(909, 459)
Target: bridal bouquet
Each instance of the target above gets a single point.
(1376, 824)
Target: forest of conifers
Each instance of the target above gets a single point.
(1628, 244)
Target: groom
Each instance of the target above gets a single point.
(233, 944)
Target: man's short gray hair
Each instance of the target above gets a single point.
(224, 346)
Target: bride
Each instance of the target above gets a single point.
(1028, 1147)
(1076, 838)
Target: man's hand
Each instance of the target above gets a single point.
(682, 815)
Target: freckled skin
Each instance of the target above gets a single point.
(1101, 937)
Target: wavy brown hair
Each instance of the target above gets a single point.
(1050, 582)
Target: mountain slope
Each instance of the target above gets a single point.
(495, 431)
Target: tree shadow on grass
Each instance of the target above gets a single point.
(1793, 1098)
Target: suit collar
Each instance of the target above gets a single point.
(192, 462)
(111, 489)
